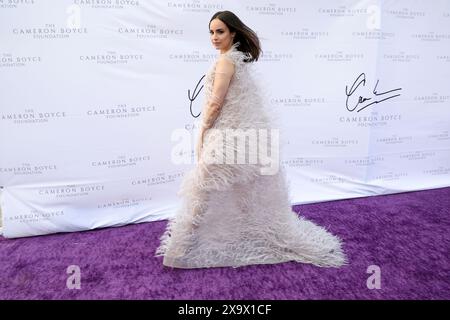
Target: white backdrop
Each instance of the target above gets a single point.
(93, 90)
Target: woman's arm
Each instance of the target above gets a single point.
(222, 77)
(223, 74)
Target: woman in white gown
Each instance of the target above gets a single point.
(236, 214)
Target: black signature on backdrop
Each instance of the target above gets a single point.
(362, 80)
(194, 96)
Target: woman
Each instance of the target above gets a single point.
(236, 214)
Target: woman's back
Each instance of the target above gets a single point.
(244, 106)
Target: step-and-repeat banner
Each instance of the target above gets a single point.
(98, 95)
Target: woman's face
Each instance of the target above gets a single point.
(221, 37)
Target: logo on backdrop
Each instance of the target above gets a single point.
(151, 32)
(32, 116)
(71, 191)
(341, 11)
(34, 215)
(14, 4)
(394, 140)
(274, 56)
(121, 161)
(374, 119)
(401, 57)
(442, 136)
(297, 100)
(299, 162)
(360, 103)
(334, 142)
(29, 169)
(111, 57)
(195, 6)
(404, 13)
(107, 4)
(438, 171)
(194, 57)
(120, 111)
(159, 178)
(373, 35)
(320, 163)
(125, 203)
(445, 58)
(304, 34)
(49, 31)
(9, 60)
(389, 176)
(418, 155)
(270, 9)
(331, 179)
(431, 36)
(338, 56)
(365, 161)
(436, 97)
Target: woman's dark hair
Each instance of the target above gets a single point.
(247, 38)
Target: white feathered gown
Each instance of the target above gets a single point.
(246, 217)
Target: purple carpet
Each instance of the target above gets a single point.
(406, 235)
